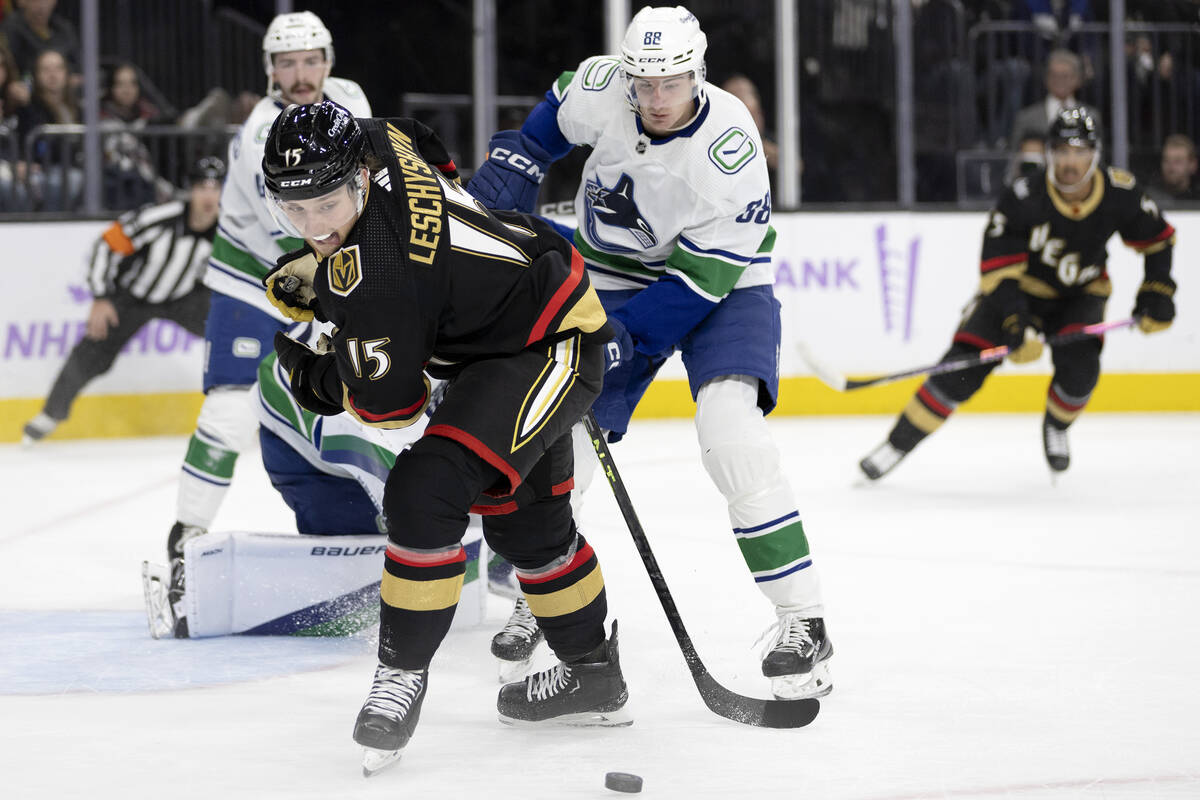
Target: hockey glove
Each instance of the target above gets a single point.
(620, 349)
(512, 174)
(1155, 306)
(290, 286)
(1021, 338)
(307, 372)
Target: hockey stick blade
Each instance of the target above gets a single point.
(821, 369)
(720, 700)
(843, 384)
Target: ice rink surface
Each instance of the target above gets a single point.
(996, 636)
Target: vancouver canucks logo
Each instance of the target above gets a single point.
(613, 219)
(345, 271)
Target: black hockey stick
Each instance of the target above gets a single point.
(721, 701)
(841, 383)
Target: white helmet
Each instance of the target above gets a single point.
(663, 41)
(290, 33)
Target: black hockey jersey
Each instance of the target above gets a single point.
(429, 279)
(1055, 248)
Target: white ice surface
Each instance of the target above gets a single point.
(996, 636)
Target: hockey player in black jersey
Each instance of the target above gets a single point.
(1043, 270)
(418, 277)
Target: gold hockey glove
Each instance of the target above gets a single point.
(1154, 306)
(290, 286)
(1024, 345)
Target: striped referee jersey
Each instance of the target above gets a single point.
(150, 254)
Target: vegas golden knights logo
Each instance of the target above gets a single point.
(345, 271)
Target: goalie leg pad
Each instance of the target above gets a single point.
(285, 584)
(742, 460)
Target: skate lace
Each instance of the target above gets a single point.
(1056, 441)
(393, 691)
(547, 683)
(522, 623)
(790, 633)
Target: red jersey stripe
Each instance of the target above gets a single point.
(973, 340)
(1001, 261)
(400, 413)
(480, 449)
(1167, 232)
(558, 300)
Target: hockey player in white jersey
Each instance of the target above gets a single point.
(241, 325)
(673, 215)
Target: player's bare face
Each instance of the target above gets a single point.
(205, 200)
(1071, 164)
(324, 221)
(665, 103)
(300, 75)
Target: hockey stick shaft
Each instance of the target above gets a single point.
(982, 357)
(721, 701)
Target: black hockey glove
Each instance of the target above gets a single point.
(290, 286)
(307, 374)
(1155, 306)
(512, 174)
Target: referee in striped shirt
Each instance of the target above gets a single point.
(147, 265)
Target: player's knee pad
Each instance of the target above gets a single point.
(429, 492)
(228, 418)
(1077, 366)
(735, 445)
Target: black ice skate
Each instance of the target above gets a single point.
(515, 644)
(1054, 443)
(590, 692)
(881, 461)
(176, 539)
(389, 716)
(37, 429)
(797, 660)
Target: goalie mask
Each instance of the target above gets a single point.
(1072, 149)
(662, 61)
(313, 171)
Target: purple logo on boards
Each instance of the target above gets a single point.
(897, 281)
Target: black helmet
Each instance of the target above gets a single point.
(1076, 127)
(208, 168)
(311, 150)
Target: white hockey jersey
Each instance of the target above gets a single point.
(248, 239)
(696, 204)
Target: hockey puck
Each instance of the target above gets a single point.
(623, 782)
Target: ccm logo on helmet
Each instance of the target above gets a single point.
(297, 182)
(518, 162)
(651, 60)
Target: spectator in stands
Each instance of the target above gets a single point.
(130, 178)
(13, 196)
(1056, 20)
(33, 28)
(1175, 183)
(1030, 157)
(14, 92)
(54, 181)
(123, 99)
(1064, 77)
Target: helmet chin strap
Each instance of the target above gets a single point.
(1071, 188)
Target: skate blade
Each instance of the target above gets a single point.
(513, 671)
(158, 609)
(817, 683)
(584, 719)
(376, 760)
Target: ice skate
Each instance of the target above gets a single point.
(156, 579)
(1054, 443)
(176, 539)
(515, 644)
(881, 461)
(389, 716)
(587, 693)
(37, 429)
(797, 659)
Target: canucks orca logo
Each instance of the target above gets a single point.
(610, 211)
